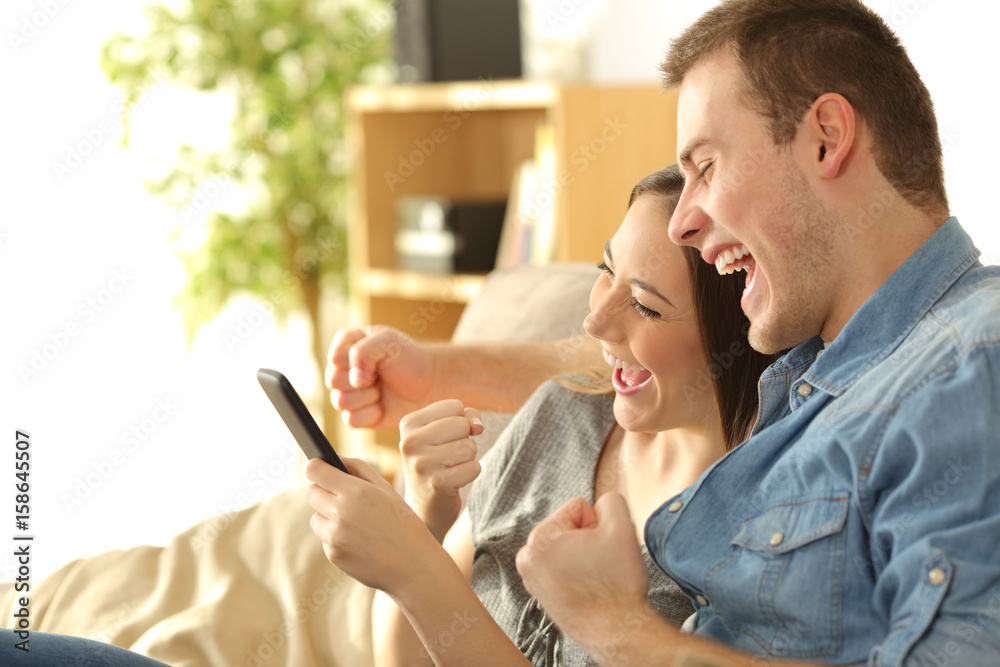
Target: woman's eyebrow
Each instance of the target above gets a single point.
(635, 281)
(649, 288)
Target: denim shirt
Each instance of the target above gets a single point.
(861, 521)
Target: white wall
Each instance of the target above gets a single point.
(63, 239)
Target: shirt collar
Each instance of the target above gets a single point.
(885, 319)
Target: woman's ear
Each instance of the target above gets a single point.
(831, 131)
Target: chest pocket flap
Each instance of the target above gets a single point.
(794, 523)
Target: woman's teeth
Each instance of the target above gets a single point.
(615, 362)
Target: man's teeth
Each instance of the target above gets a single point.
(615, 362)
(724, 263)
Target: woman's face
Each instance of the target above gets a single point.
(642, 310)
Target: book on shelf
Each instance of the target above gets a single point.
(529, 227)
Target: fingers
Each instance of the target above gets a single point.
(574, 514)
(362, 470)
(342, 342)
(449, 417)
(366, 417)
(381, 345)
(323, 474)
(328, 478)
(356, 353)
(353, 400)
(360, 407)
(437, 411)
(438, 437)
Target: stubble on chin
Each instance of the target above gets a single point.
(799, 287)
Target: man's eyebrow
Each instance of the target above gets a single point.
(684, 159)
(607, 250)
(652, 290)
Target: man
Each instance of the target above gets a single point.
(861, 522)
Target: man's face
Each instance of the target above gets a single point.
(748, 205)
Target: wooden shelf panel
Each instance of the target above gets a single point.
(451, 288)
(466, 95)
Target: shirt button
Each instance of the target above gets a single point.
(701, 600)
(777, 539)
(804, 389)
(674, 506)
(936, 576)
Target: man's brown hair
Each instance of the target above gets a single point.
(792, 51)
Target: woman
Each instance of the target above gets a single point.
(669, 325)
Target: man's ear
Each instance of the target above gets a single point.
(830, 130)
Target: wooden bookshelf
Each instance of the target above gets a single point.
(464, 141)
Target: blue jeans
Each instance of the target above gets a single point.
(50, 650)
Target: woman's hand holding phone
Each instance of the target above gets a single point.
(367, 529)
(439, 458)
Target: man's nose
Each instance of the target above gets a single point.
(689, 223)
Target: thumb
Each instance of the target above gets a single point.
(612, 513)
(367, 354)
(475, 421)
(575, 513)
(358, 468)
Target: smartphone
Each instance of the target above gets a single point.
(293, 412)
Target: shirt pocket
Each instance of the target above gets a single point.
(788, 567)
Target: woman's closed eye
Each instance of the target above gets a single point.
(645, 311)
(648, 313)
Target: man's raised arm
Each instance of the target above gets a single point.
(378, 374)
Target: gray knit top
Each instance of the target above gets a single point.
(547, 455)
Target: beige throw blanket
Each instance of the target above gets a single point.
(249, 589)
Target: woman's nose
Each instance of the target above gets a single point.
(603, 321)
